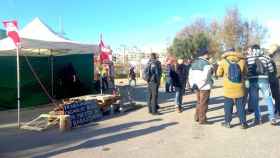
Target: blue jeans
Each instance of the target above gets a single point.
(179, 96)
(260, 87)
(228, 107)
(168, 85)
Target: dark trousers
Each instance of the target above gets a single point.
(104, 83)
(202, 105)
(228, 107)
(153, 97)
(169, 85)
(274, 85)
(179, 96)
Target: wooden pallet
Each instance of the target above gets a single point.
(41, 123)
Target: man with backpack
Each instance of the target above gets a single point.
(233, 69)
(259, 67)
(200, 79)
(152, 74)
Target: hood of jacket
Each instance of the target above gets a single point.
(233, 56)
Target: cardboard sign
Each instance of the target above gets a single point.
(82, 112)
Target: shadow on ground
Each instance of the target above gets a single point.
(214, 104)
(52, 137)
(92, 143)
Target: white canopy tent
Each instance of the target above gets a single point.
(37, 35)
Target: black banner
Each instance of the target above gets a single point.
(82, 112)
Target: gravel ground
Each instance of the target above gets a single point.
(138, 134)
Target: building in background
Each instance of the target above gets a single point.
(124, 57)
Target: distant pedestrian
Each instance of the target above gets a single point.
(132, 75)
(112, 74)
(259, 67)
(169, 86)
(233, 69)
(188, 66)
(200, 79)
(152, 74)
(104, 78)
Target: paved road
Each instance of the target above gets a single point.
(138, 134)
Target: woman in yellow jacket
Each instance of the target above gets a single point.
(232, 68)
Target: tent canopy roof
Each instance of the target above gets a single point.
(37, 35)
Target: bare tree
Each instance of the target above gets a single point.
(231, 32)
(232, 28)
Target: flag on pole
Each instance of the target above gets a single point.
(104, 52)
(12, 31)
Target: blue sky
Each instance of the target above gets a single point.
(133, 22)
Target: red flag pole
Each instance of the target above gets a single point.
(18, 84)
(12, 32)
(100, 76)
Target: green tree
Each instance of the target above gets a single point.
(186, 47)
(189, 39)
(232, 32)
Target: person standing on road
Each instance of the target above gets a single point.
(200, 79)
(169, 84)
(152, 74)
(274, 82)
(188, 65)
(132, 76)
(233, 69)
(179, 78)
(259, 67)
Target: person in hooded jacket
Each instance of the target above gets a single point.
(232, 68)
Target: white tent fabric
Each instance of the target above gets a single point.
(37, 35)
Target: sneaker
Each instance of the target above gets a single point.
(273, 122)
(156, 113)
(226, 124)
(257, 122)
(277, 115)
(196, 119)
(179, 110)
(244, 126)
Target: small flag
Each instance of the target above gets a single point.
(12, 31)
(104, 52)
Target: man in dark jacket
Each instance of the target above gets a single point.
(274, 81)
(132, 76)
(169, 83)
(154, 69)
(179, 79)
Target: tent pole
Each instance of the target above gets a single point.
(101, 84)
(18, 85)
(52, 75)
